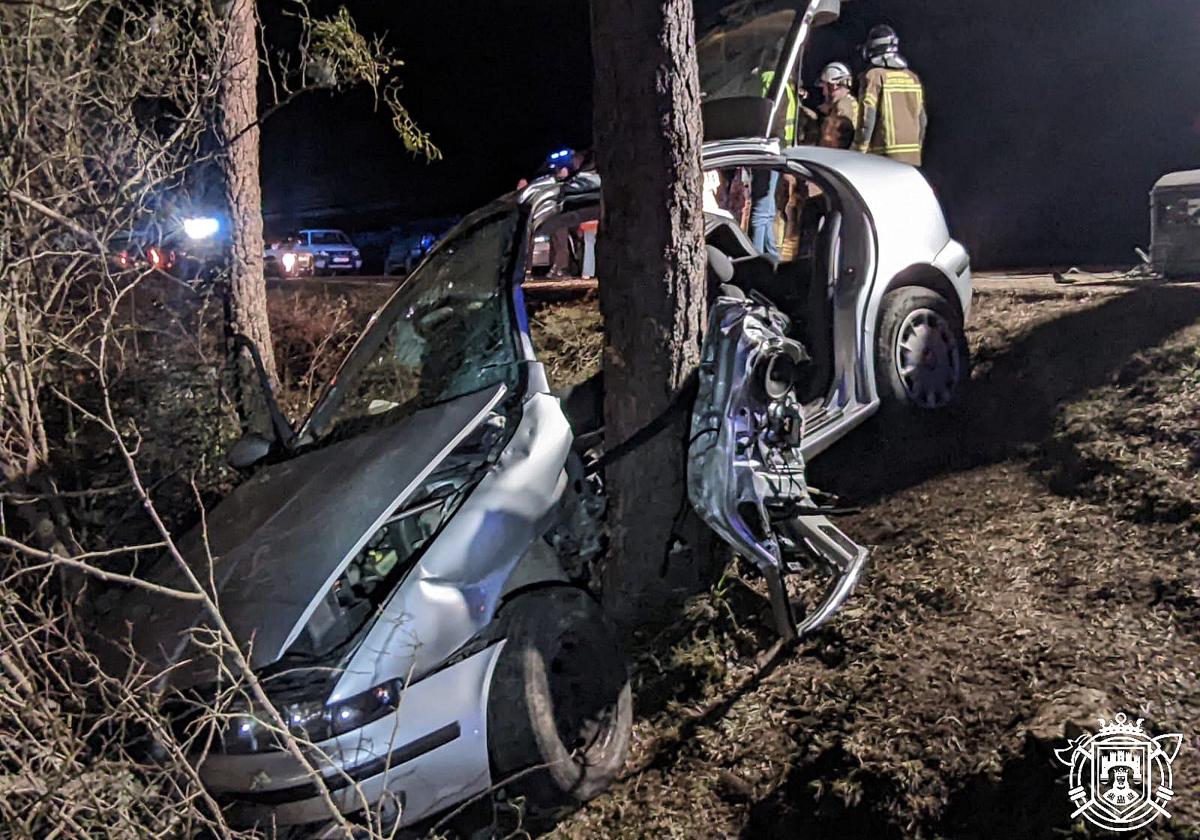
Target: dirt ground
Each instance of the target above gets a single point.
(1035, 567)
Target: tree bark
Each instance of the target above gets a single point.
(246, 311)
(650, 264)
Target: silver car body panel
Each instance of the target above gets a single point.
(281, 539)
(908, 233)
(890, 228)
(451, 701)
(746, 474)
(453, 592)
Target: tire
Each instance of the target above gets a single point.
(922, 361)
(559, 701)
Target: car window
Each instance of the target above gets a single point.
(329, 237)
(446, 332)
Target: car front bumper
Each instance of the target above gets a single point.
(429, 755)
(328, 264)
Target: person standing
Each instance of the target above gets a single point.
(764, 182)
(891, 102)
(839, 113)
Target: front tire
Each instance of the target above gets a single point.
(922, 360)
(559, 702)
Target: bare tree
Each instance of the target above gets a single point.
(109, 396)
(331, 55)
(650, 258)
(238, 124)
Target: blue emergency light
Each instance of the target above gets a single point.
(561, 156)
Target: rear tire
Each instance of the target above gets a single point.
(922, 360)
(559, 701)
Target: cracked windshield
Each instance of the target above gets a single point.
(443, 334)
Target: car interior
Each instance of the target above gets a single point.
(797, 281)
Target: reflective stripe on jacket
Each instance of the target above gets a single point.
(839, 122)
(892, 107)
(788, 134)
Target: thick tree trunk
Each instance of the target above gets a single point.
(650, 265)
(247, 298)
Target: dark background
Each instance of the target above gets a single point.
(1049, 120)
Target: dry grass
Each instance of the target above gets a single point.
(569, 338)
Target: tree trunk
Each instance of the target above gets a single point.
(650, 261)
(246, 311)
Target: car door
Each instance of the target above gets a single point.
(746, 59)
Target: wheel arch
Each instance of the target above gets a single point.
(927, 276)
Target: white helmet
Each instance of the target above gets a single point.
(836, 74)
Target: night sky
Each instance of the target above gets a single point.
(1049, 120)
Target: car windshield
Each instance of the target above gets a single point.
(734, 55)
(447, 331)
(329, 237)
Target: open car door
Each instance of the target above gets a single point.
(746, 58)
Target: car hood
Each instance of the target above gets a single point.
(334, 249)
(281, 539)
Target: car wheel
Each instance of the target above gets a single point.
(559, 710)
(921, 356)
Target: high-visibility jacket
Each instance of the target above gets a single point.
(839, 122)
(786, 131)
(893, 120)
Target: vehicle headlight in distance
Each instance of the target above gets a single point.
(289, 261)
(201, 227)
(312, 720)
(354, 253)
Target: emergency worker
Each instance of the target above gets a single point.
(839, 113)
(891, 102)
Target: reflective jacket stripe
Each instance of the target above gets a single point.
(789, 130)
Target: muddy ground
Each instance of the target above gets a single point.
(1035, 567)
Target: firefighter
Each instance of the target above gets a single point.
(891, 102)
(839, 113)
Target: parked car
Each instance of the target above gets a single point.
(286, 258)
(405, 252)
(408, 569)
(192, 250)
(332, 251)
(140, 252)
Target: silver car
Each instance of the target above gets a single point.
(409, 570)
(331, 251)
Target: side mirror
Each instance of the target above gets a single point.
(248, 451)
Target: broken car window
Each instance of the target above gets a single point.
(444, 333)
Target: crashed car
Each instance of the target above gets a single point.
(407, 571)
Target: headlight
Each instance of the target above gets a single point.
(289, 261)
(312, 720)
(201, 228)
(354, 254)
